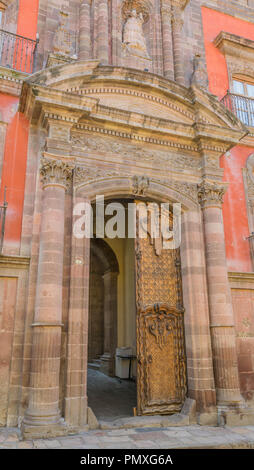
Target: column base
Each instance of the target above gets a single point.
(208, 417)
(233, 415)
(107, 366)
(48, 431)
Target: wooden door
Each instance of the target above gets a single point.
(161, 364)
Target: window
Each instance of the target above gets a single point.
(244, 100)
(243, 88)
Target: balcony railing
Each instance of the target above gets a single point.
(241, 106)
(17, 52)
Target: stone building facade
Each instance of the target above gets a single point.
(132, 100)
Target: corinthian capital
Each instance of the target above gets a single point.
(55, 172)
(177, 18)
(166, 10)
(210, 194)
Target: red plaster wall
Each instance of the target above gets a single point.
(213, 23)
(27, 18)
(234, 207)
(13, 177)
(15, 155)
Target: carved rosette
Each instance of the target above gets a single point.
(56, 172)
(210, 194)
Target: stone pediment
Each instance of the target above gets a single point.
(130, 98)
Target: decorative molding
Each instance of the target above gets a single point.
(139, 183)
(98, 144)
(239, 53)
(15, 262)
(84, 174)
(242, 278)
(210, 194)
(56, 172)
(190, 190)
(139, 94)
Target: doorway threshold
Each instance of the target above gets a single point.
(184, 418)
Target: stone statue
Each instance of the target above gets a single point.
(133, 35)
(62, 39)
(199, 76)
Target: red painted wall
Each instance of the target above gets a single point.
(15, 155)
(27, 18)
(13, 177)
(234, 207)
(213, 23)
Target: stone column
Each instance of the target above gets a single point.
(166, 18)
(103, 34)
(220, 303)
(85, 31)
(177, 26)
(110, 323)
(76, 413)
(200, 373)
(42, 418)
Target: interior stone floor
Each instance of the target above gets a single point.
(110, 397)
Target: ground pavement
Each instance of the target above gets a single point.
(190, 437)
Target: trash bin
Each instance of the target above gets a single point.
(122, 363)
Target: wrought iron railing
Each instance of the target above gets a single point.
(3, 209)
(17, 52)
(241, 106)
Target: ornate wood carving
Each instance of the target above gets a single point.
(161, 360)
(160, 330)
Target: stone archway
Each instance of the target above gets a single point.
(124, 187)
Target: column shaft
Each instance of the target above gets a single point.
(103, 33)
(177, 26)
(43, 407)
(220, 303)
(168, 64)
(110, 322)
(85, 31)
(200, 373)
(45, 367)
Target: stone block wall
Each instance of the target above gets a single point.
(242, 288)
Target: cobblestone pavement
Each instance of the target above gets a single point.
(139, 438)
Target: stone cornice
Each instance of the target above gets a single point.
(233, 45)
(232, 8)
(241, 280)
(11, 81)
(193, 114)
(14, 262)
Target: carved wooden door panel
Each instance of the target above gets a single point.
(161, 364)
